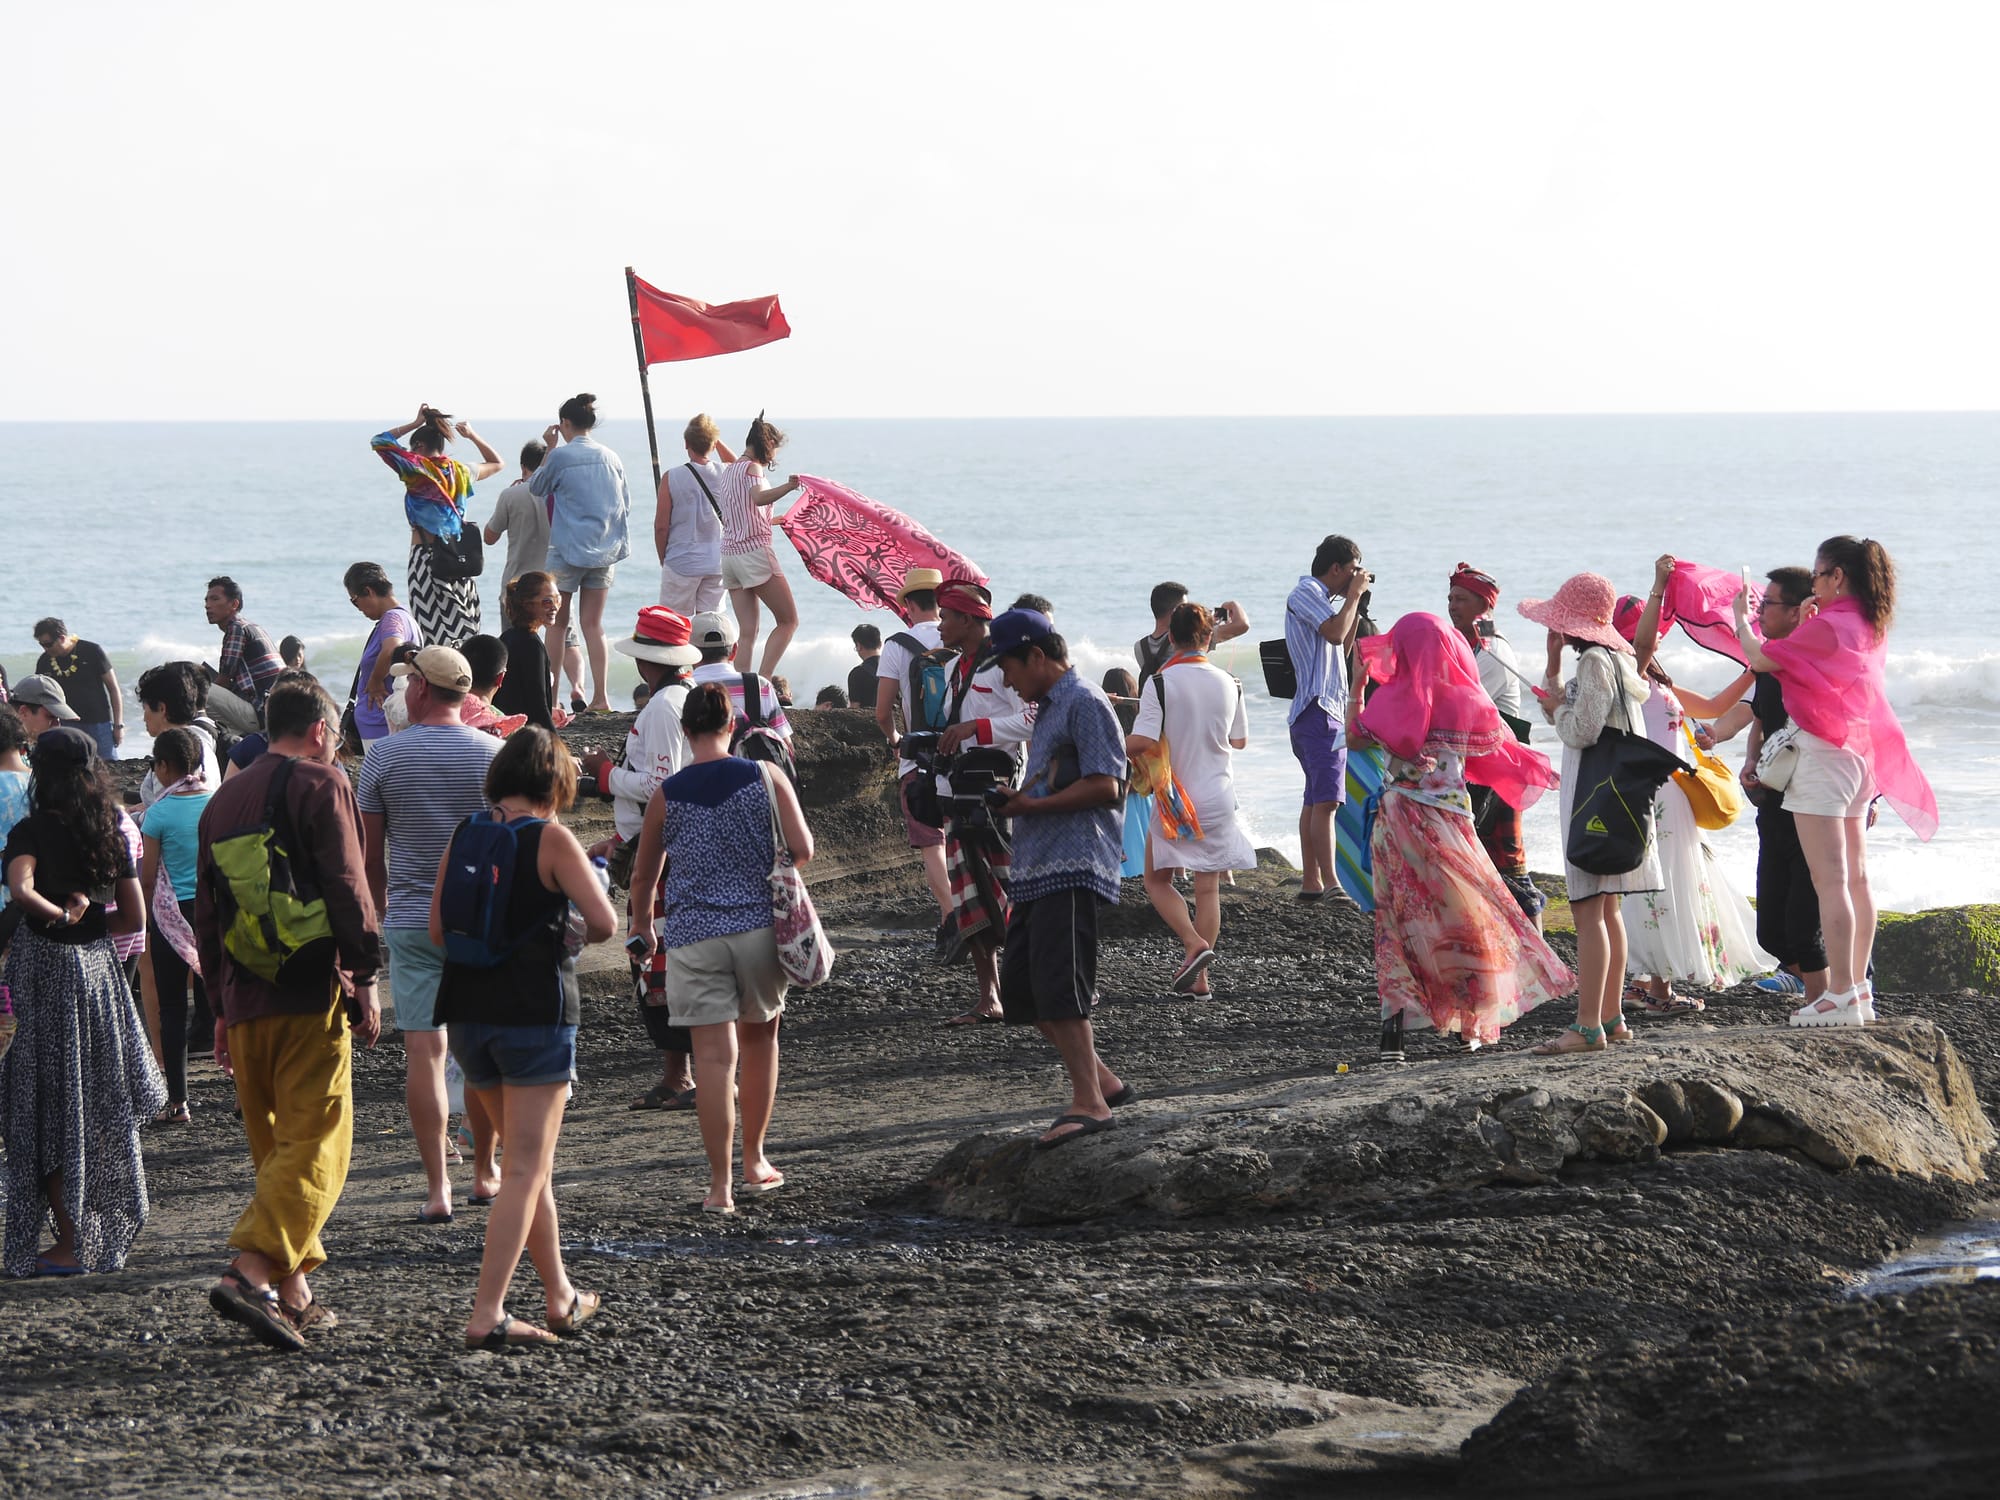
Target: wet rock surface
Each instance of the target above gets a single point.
(843, 1328)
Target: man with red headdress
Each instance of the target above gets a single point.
(1470, 604)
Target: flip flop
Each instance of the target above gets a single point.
(1124, 1096)
(478, 1202)
(583, 1306)
(1086, 1125)
(718, 1208)
(503, 1336)
(974, 1018)
(768, 1185)
(424, 1218)
(46, 1267)
(1310, 896)
(1191, 970)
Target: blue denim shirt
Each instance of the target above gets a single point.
(1075, 850)
(590, 526)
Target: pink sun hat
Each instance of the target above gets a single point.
(1582, 608)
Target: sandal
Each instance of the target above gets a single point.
(509, 1333)
(1618, 1032)
(312, 1315)
(1571, 1039)
(583, 1307)
(261, 1311)
(659, 1096)
(174, 1114)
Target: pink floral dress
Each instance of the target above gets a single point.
(1452, 947)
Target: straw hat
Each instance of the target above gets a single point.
(661, 636)
(1582, 608)
(918, 578)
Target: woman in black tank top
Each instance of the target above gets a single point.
(512, 1027)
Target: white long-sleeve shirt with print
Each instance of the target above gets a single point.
(654, 749)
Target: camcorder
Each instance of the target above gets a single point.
(962, 788)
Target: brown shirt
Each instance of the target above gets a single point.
(320, 801)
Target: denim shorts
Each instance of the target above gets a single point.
(590, 576)
(521, 1055)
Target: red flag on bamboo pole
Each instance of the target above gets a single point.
(672, 328)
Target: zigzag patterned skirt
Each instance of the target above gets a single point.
(447, 613)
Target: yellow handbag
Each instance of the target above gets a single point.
(1712, 788)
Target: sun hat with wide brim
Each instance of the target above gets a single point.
(1582, 608)
(662, 636)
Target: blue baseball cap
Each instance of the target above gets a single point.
(1017, 628)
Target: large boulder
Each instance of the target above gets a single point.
(1934, 952)
(1896, 1095)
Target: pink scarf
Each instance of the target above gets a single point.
(862, 548)
(1831, 670)
(1430, 694)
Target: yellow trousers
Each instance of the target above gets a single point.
(294, 1081)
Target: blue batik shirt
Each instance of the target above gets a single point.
(1076, 731)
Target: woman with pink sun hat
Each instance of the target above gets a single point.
(1605, 692)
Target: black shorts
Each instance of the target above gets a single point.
(651, 981)
(1048, 970)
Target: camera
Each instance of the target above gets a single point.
(964, 787)
(586, 785)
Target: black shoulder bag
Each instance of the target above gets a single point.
(459, 558)
(1617, 778)
(692, 469)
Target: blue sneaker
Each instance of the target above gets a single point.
(1784, 982)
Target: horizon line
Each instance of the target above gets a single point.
(1774, 411)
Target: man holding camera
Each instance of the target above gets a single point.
(1068, 846)
(986, 713)
(1320, 615)
(1153, 650)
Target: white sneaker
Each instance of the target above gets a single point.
(1842, 1009)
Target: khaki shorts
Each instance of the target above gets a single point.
(746, 570)
(733, 978)
(1828, 781)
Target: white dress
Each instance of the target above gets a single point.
(1204, 712)
(1697, 928)
(1606, 689)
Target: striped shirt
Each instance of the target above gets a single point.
(1316, 661)
(746, 524)
(421, 782)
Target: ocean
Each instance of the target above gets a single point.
(116, 527)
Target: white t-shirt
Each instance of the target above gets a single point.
(694, 533)
(1204, 713)
(1502, 686)
(892, 674)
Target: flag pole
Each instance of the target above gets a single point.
(645, 386)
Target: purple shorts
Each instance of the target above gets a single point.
(1315, 741)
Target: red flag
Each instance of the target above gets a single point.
(673, 327)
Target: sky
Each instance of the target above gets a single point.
(239, 212)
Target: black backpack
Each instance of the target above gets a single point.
(754, 739)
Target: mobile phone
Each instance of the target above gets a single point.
(1488, 629)
(636, 945)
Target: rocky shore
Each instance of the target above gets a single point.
(1623, 1273)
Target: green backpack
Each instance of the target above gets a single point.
(274, 918)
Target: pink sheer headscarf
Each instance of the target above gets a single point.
(1430, 694)
(1831, 669)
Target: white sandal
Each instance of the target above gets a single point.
(1842, 1009)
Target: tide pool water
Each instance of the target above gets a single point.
(118, 527)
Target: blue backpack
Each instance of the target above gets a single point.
(478, 888)
(927, 697)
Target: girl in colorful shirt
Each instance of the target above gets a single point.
(435, 489)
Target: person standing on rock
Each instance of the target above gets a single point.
(687, 522)
(1849, 748)
(655, 748)
(985, 713)
(590, 512)
(89, 683)
(1320, 618)
(290, 1038)
(1607, 690)
(436, 487)
(1787, 905)
(524, 521)
(414, 788)
(1068, 845)
(1469, 601)
(1453, 948)
(712, 824)
(513, 1030)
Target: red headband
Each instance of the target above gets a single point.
(966, 598)
(1476, 583)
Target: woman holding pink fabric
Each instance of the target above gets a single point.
(1453, 949)
(1849, 748)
